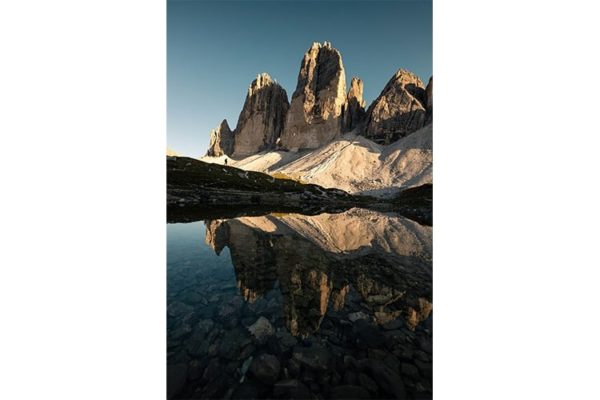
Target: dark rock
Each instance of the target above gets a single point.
(197, 348)
(424, 368)
(180, 331)
(291, 388)
(202, 328)
(367, 383)
(315, 357)
(246, 352)
(387, 379)
(349, 392)
(178, 309)
(409, 370)
(230, 344)
(266, 368)
(195, 371)
(350, 378)
(429, 105)
(366, 335)
(246, 390)
(286, 339)
(393, 324)
(213, 369)
(176, 377)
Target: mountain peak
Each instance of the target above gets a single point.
(317, 108)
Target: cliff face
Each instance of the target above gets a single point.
(262, 118)
(321, 111)
(221, 141)
(429, 94)
(355, 108)
(317, 109)
(399, 110)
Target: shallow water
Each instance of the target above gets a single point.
(294, 306)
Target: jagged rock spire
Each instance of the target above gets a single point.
(355, 109)
(262, 118)
(316, 111)
(399, 110)
(221, 140)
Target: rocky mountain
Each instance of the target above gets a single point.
(355, 108)
(353, 163)
(221, 140)
(262, 118)
(325, 136)
(318, 105)
(399, 110)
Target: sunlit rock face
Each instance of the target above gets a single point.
(399, 110)
(221, 141)
(262, 118)
(316, 111)
(354, 114)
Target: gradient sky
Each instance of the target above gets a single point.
(216, 48)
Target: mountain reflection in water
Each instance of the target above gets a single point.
(288, 306)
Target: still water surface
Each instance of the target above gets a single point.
(295, 306)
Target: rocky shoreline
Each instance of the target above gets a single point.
(198, 188)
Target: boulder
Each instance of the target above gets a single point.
(261, 329)
(349, 392)
(266, 368)
(221, 141)
(262, 118)
(315, 358)
(318, 104)
(399, 110)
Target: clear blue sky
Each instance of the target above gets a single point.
(216, 48)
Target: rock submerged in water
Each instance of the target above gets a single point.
(261, 329)
(399, 110)
(266, 368)
(316, 113)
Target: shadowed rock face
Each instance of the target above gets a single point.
(355, 110)
(262, 118)
(429, 93)
(316, 112)
(399, 110)
(221, 141)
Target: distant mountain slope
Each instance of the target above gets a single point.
(171, 152)
(352, 163)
